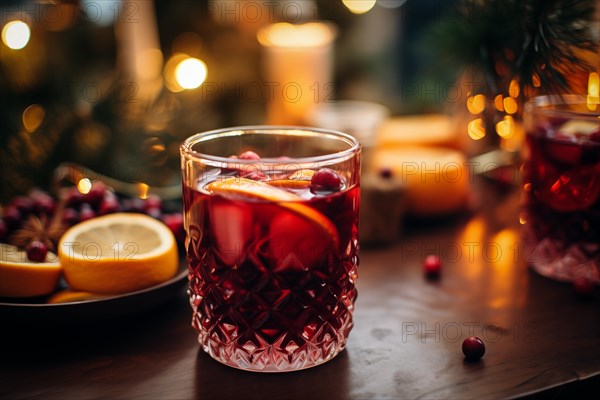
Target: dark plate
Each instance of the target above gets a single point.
(94, 310)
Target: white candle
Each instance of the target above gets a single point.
(298, 69)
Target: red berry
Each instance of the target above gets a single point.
(74, 198)
(153, 201)
(44, 205)
(175, 224)
(70, 216)
(36, 251)
(23, 204)
(135, 205)
(12, 217)
(109, 204)
(86, 212)
(473, 348)
(154, 212)
(432, 266)
(96, 193)
(584, 287)
(249, 155)
(325, 180)
(385, 173)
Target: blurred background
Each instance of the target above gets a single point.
(116, 85)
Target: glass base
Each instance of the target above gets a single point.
(276, 357)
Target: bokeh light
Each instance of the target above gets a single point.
(33, 116)
(190, 73)
(510, 105)
(84, 186)
(476, 129)
(16, 34)
(359, 6)
(476, 104)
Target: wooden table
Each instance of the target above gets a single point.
(406, 342)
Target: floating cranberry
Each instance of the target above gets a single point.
(432, 266)
(325, 180)
(385, 173)
(473, 348)
(86, 212)
(70, 216)
(584, 287)
(249, 155)
(255, 176)
(36, 251)
(12, 216)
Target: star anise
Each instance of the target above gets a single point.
(47, 231)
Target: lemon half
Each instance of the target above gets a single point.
(118, 253)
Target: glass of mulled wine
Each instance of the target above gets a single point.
(271, 215)
(561, 187)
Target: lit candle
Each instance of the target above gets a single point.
(298, 69)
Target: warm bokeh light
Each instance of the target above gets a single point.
(283, 34)
(359, 6)
(190, 73)
(143, 190)
(476, 104)
(593, 97)
(476, 129)
(84, 186)
(32, 118)
(510, 105)
(535, 79)
(514, 89)
(16, 34)
(498, 102)
(506, 128)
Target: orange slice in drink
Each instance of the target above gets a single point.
(298, 180)
(264, 191)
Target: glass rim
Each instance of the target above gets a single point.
(547, 104)
(187, 151)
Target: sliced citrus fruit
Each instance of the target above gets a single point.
(263, 191)
(298, 180)
(118, 253)
(20, 277)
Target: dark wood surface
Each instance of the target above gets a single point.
(406, 342)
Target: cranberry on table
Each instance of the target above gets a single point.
(249, 155)
(109, 204)
(325, 180)
(432, 266)
(36, 251)
(175, 223)
(583, 287)
(74, 197)
(473, 348)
